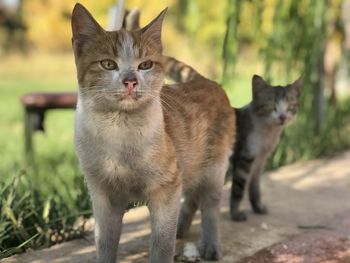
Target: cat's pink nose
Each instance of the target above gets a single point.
(130, 83)
(282, 118)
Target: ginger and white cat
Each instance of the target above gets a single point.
(137, 139)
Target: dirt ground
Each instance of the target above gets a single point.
(300, 197)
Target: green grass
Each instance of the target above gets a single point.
(37, 200)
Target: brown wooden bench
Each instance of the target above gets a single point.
(35, 106)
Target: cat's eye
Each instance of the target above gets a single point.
(273, 108)
(291, 109)
(109, 64)
(146, 65)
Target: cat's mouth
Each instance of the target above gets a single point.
(283, 122)
(130, 95)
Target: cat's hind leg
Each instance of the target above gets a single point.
(209, 202)
(188, 210)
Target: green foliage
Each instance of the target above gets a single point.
(46, 202)
(291, 42)
(230, 45)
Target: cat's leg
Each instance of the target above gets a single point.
(108, 225)
(254, 192)
(188, 210)
(210, 197)
(210, 247)
(164, 209)
(241, 173)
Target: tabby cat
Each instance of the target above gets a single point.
(259, 128)
(137, 139)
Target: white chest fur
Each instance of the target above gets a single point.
(262, 140)
(115, 145)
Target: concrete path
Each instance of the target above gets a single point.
(300, 197)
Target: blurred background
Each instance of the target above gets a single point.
(43, 200)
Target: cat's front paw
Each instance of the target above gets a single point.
(260, 209)
(210, 251)
(238, 216)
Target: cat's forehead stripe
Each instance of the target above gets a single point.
(125, 45)
(129, 47)
(282, 105)
(280, 92)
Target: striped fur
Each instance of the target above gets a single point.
(179, 71)
(259, 127)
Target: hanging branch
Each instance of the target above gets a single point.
(231, 41)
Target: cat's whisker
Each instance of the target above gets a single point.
(155, 97)
(162, 101)
(169, 98)
(166, 104)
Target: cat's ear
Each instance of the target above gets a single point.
(132, 20)
(258, 83)
(84, 26)
(153, 31)
(297, 85)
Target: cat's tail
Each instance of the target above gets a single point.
(179, 71)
